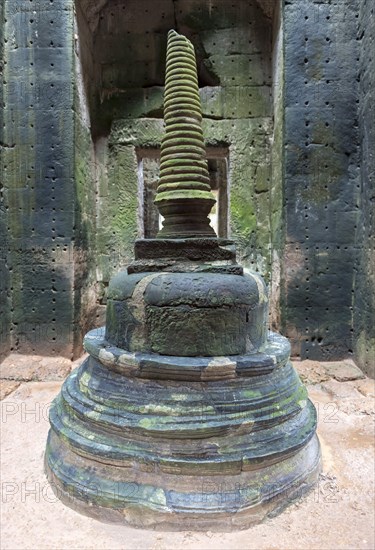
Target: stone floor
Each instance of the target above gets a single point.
(338, 514)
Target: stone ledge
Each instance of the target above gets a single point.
(316, 372)
(155, 366)
(27, 368)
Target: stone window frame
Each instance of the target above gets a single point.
(243, 138)
(222, 191)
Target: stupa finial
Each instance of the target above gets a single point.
(184, 195)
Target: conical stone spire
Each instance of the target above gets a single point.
(184, 195)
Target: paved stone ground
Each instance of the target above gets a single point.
(339, 514)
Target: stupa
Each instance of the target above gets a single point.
(188, 413)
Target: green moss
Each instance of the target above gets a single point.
(243, 216)
(183, 183)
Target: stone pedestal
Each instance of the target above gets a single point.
(188, 413)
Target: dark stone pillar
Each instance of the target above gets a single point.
(321, 171)
(38, 180)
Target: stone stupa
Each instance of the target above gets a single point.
(188, 413)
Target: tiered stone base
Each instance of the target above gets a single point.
(206, 443)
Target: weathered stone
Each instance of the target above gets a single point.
(329, 163)
(26, 368)
(241, 70)
(364, 288)
(225, 41)
(311, 372)
(322, 179)
(133, 413)
(151, 412)
(137, 102)
(341, 390)
(39, 188)
(366, 387)
(183, 197)
(275, 353)
(233, 102)
(211, 250)
(343, 371)
(122, 285)
(187, 314)
(205, 290)
(7, 387)
(173, 266)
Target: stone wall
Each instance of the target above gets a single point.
(4, 269)
(86, 314)
(277, 169)
(38, 181)
(364, 273)
(48, 297)
(287, 96)
(321, 176)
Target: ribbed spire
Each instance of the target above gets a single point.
(184, 195)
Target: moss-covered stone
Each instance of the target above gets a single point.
(183, 195)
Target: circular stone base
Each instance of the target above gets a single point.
(220, 449)
(144, 500)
